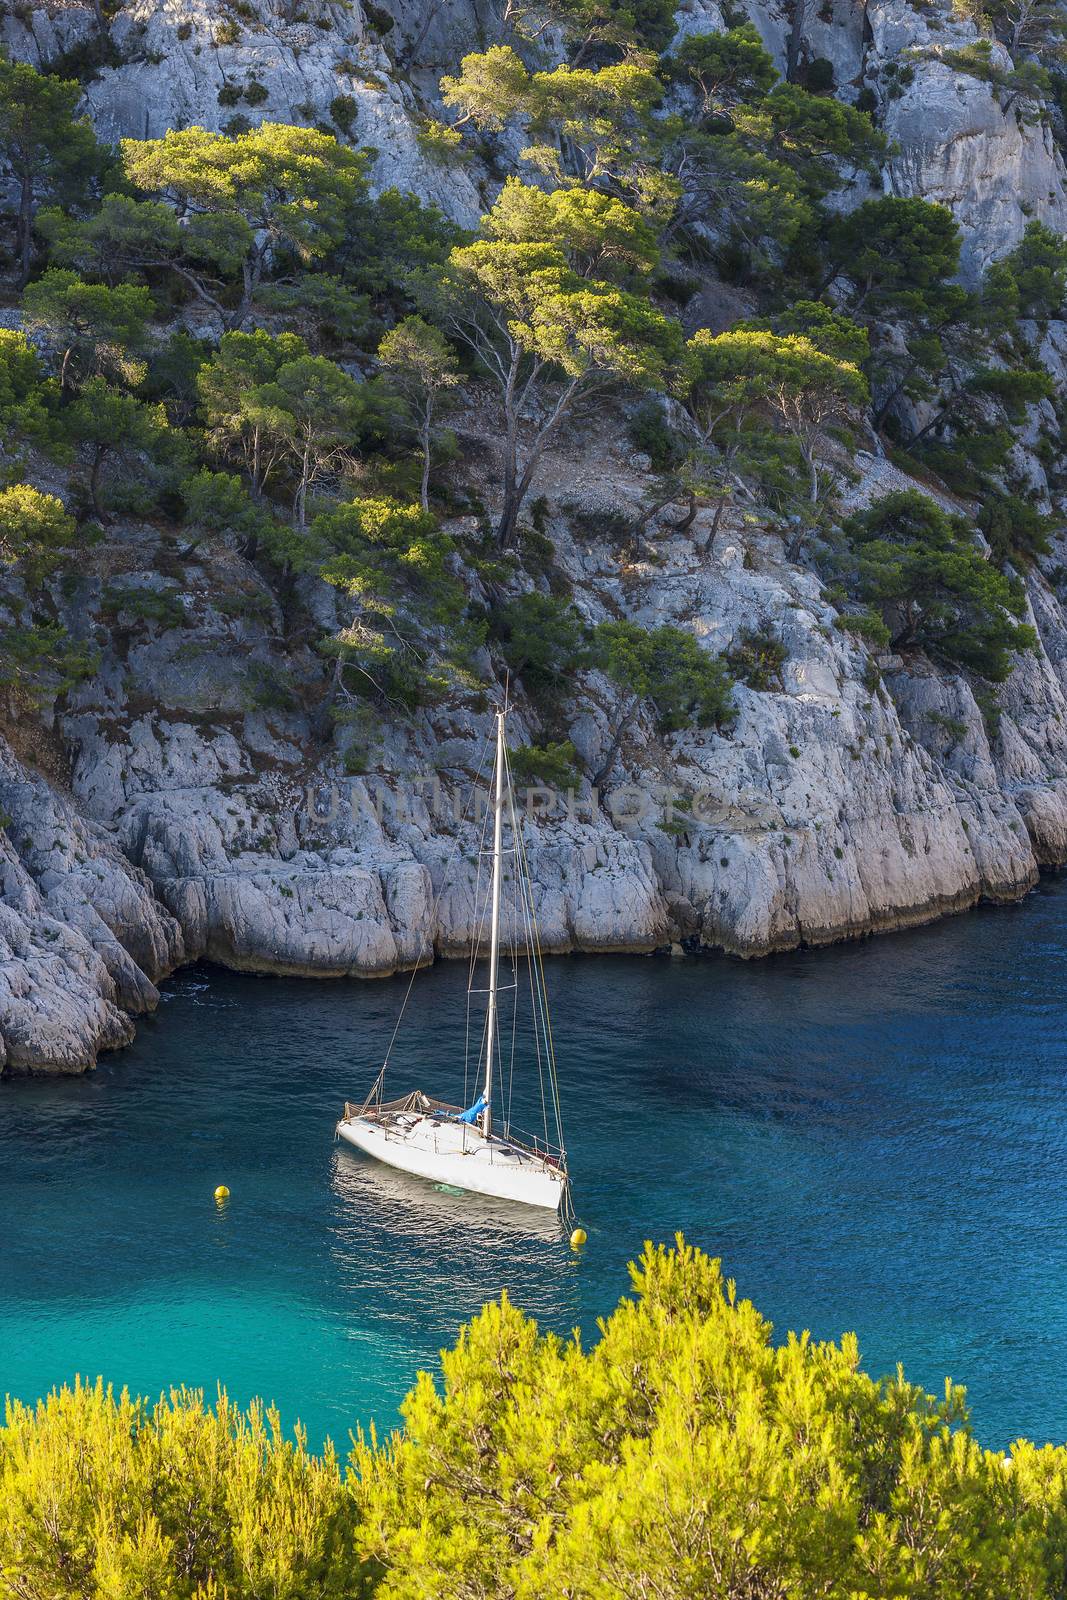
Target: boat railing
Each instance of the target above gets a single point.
(535, 1144)
(416, 1101)
(425, 1105)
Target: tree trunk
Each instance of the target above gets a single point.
(300, 503)
(720, 509)
(893, 395)
(948, 404)
(509, 511)
(424, 488)
(197, 285)
(513, 498)
(795, 40)
(509, 516)
(94, 484)
(516, 484)
(689, 518)
(251, 272)
(25, 228)
(603, 772)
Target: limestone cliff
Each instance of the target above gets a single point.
(165, 811)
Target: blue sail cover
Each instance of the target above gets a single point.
(473, 1112)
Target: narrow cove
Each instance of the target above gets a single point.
(872, 1137)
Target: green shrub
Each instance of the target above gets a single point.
(953, 727)
(869, 625)
(379, 18)
(988, 704)
(1016, 530)
(41, 660)
(163, 606)
(543, 639)
(819, 77)
(343, 111)
(683, 1454)
(756, 658)
(650, 431)
(112, 1496)
(35, 531)
(688, 686)
(934, 588)
(595, 522)
(552, 764)
(268, 687)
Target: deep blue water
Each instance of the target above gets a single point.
(873, 1137)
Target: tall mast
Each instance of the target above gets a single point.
(494, 936)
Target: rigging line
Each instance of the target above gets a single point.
(523, 886)
(478, 917)
(533, 1009)
(511, 1064)
(434, 908)
(524, 899)
(549, 1040)
(542, 990)
(514, 923)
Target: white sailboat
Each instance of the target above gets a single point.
(465, 1148)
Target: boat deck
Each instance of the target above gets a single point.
(400, 1118)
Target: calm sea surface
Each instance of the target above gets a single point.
(873, 1137)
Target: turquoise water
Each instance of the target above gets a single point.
(873, 1137)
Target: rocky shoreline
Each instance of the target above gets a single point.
(201, 830)
(159, 814)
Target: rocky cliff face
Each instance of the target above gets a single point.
(178, 807)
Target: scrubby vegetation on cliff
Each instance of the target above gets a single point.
(313, 426)
(681, 1454)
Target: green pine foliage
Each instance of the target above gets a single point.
(35, 531)
(543, 640)
(40, 661)
(28, 397)
(553, 764)
(688, 686)
(50, 151)
(639, 172)
(934, 588)
(1031, 280)
(108, 1496)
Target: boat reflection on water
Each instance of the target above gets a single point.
(407, 1244)
(418, 1207)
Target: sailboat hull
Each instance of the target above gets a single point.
(447, 1152)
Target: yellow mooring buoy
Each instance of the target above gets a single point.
(222, 1193)
(578, 1238)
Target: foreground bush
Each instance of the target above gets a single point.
(682, 1456)
(113, 1499)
